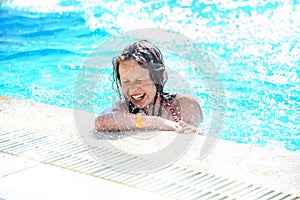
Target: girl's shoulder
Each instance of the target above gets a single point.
(186, 99)
(190, 107)
(118, 106)
(180, 99)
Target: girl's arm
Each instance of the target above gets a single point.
(118, 118)
(121, 121)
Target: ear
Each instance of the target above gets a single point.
(165, 76)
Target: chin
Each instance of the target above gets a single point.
(140, 105)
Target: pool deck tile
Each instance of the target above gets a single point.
(31, 180)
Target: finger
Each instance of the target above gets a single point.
(180, 129)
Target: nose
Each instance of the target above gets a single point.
(133, 87)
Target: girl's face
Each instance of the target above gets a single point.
(136, 83)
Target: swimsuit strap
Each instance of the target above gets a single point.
(174, 114)
(168, 98)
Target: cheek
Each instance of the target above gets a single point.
(151, 90)
(125, 90)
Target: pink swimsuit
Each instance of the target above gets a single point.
(174, 114)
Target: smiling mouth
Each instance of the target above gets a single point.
(138, 98)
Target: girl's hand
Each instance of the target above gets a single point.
(187, 128)
(179, 127)
(159, 123)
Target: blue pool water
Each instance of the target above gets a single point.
(254, 45)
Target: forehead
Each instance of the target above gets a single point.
(131, 68)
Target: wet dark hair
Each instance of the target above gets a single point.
(147, 56)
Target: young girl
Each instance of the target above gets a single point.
(139, 72)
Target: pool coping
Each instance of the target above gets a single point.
(228, 159)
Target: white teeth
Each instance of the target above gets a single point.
(137, 96)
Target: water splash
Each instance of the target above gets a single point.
(255, 46)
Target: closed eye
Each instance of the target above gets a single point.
(124, 82)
